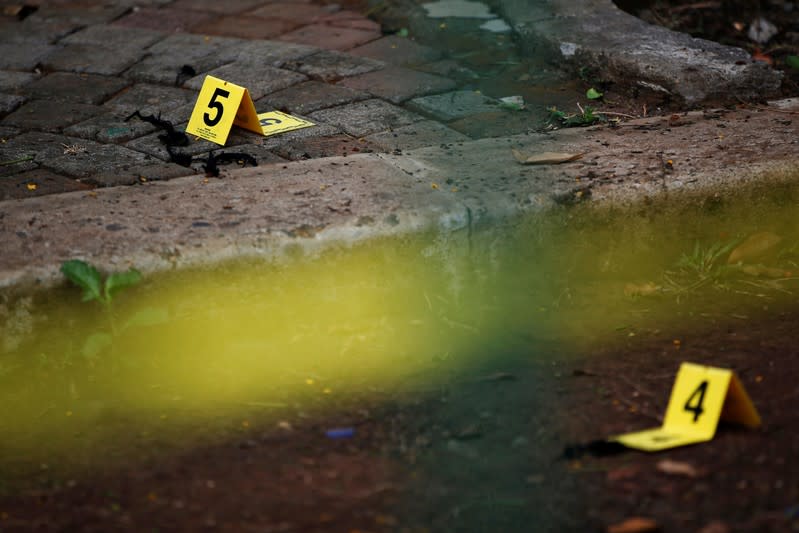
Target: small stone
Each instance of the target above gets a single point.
(716, 526)
(634, 525)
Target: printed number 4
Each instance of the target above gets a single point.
(694, 403)
(214, 104)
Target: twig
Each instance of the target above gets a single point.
(615, 114)
(697, 5)
(15, 161)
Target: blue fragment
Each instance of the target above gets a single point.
(340, 433)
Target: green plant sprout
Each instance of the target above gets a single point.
(593, 94)
(585, 117)
(706, 262)
(89, 279)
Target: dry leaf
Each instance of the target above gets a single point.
(634, 525)
(641, 289)
(764, 271)
(754, 248)
(677, 468)
(545, 158)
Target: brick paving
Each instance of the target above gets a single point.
(71, 74)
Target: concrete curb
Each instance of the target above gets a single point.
(629, 51)
(282, 210)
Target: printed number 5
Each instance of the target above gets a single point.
(694, 403)
(269, 121)
(214, 104)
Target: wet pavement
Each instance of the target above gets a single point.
(71, 76)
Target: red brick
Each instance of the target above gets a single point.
(245, 27)
(45, 182)
(227, 7)
(330, 38)
(397, 50)
(166, 19)
(397, 84)
(315, 147)
(348, 19)
(298, 13)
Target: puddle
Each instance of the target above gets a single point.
(201, 348)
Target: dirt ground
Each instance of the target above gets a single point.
(482, 452)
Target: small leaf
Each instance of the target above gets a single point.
(84, 276)
(755, 248)
(120, 280)
(792, 61)
(403, 32)
(545, 158)
(593, 94)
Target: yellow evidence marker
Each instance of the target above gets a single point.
(276, 122)
(221, 105)
(701, 396)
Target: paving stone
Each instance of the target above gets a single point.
(28, 31)
(9, 103)
(16, 56)
(362, 118)
(8, 131)
(262, 155)
(348, 19)
(109, 164)
(165, 58)
(112, 36)
(418, 135)
(273, 53)
(50, 115)
(83, 15)
(316, 147)
(167, 19)
(152, 145)
(215, 6)
(93, 59)
(495, 124)
(111, 128)
(310, 96)
(397, 51)
(397, 84)
(151, 99)
(245, 27)
(29, 150)
(331, 66)
(453, 105)
(11, 81)
(330, 37)
(297, 12)
(274, 142)
(139, 173)
(449, 68)
(39, 144)
(258, 79)
(80, 88)
(46, 182)
(16, 157)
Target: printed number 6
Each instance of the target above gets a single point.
(213, 104)
(269, 121)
